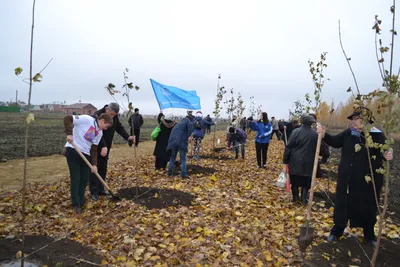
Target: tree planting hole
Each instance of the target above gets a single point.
(157, 198)
(18, 264)
(60, 253)
(195, 169)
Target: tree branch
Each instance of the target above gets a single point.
(392, 45)
(377, 57)
(40, 72)
(373, 180)
(348, 61)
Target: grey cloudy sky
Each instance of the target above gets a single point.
(261, 48)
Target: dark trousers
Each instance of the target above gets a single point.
(94, 183)
(136, 132)
(161, 163)
(182, 155)
(369, 233)
(237, 145)
(79, 175)
(276, 132)
(261, 152)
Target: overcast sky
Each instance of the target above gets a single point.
(261, 48)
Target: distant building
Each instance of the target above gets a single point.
(79, 108)
(3, 104)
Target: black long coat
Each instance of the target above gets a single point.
(160, 150)
(300, 151)
(355, 200)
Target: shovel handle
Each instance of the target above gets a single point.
(90, 165)
(284, 130)
(314, 176)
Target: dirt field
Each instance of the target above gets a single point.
(53, 168)
(46, 135)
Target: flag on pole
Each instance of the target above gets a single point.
(173, 97)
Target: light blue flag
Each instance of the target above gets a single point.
(173, 97)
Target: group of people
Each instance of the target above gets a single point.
(355, 196)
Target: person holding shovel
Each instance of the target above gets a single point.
(238, 138)
(178, 142)
(104, 148)
(355, 196)
(85, 132)
(300, 154)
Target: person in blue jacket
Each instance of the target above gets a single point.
(198, 134)
(178, 142)
(263, 129)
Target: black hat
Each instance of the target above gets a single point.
(354, 114)
(364, 113)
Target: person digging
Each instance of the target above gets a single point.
(85, 132)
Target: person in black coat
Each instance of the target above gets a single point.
(300, 154)
(96, 187)
(355, 199)
(289, 126)
(160, 150)
(136, 122)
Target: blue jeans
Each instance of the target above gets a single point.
(236, 145)
(182, 155)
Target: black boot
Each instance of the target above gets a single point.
(304, 195)
(295, 193)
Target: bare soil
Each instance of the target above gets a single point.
(157, 198)
(60, 253)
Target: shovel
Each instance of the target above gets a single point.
(307, 231)
(113, 197)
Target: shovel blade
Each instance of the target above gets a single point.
(306, 236)
(114, 197)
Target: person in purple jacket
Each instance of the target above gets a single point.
(263, 129)
(198, 134)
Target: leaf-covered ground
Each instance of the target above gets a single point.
(237, 218)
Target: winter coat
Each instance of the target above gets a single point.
(264, 132)
(199, 133)
(160, 150)
(137, 121)
(243, 123)
(180, 134)
(355, 198)
(239, 137)
(289, 129)
(300, 151)
(108, 135)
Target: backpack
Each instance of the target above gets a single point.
(197, 125)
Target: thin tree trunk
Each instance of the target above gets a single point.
(26, 138)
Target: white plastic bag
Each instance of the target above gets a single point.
(282, 179)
